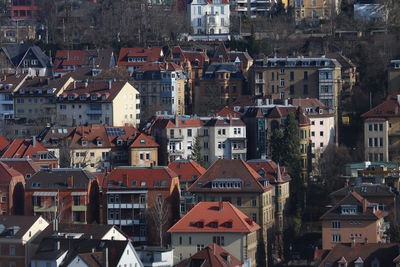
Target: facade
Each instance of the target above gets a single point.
(130, 192)
(12, 185)
(312, 12)
(209, 19)
(16, 235)
(70, 195)
(381, 142)
(253, 9)
(26, 167)
(215, 222)
(134, 58)
(24, 9)
(221, 85)
(155, 256)
(97, 148)
(241, 59)
(162, 87)
(218, 137)
(394, 77)
(103, 102)
(9, 84)
(353, 219)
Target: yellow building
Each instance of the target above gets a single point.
(312, 12)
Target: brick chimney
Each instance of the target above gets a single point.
(230, 119)
(70, 181)
(364, 205)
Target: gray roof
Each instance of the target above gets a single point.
(17, 52)
(15, 226)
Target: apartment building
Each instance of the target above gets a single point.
(24, 10)
(215, 222)
(136, 57)
(69, 60)
(16, 234)
(97, 148)
(350, 72)
(102, 102)
(162, 87)
(312, 12)
(9, 83)
(299, 77)
(241, 59)
(24, 166)
(353, 220)
(130, 193)
(218, 137)
(253, 9)
(68, 195)
(210, 20)
(12, 185)
(381, 124)
(220, 86)
(394, 77)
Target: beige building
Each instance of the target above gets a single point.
(312, 12)
(215, 222)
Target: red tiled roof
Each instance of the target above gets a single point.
(226, 111)
(302, 118)
(211, 256)
(187, 170)
(215, 217)
(92, 259)
(14, 80)
(230, 169)
(143, 140)
(200, 57)
(140, 177)
(68, 58)
(389, 108)
(159, 66)
(152, 54)
(3, 142)
(269, 170)
(23, 148)
(23, 166)
(7, 174)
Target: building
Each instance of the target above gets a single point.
(9, 84)
(130, 193)
(221, 85)
(394, 77)
(188, 172)
(362, 254)
(381, 142)
(162, 87)
(136, 57)
(12, 185)
(241, 59)
(253, 9)
(30, 149)
(16, 233)
(313, 12)
(350, 73)
(215, 222)
(210, 20)
(353, 219)
(15, 33)
(155, 256)
(23, 10)
(212, 255)
(24, 58)
(97, 147)
(103, 102)
(26, 167)
(70, 60)
(69, 195)
(218, 137)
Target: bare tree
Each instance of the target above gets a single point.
(159, 214)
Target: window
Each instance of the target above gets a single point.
(314, 2)
(336, 224)
(305, 89)
(200, 247)
(190, 240)
(3, 198)
(254, 201)
(282, 82)
(292, 75)
(239, 201)
(321, 144)
(292, 89)
(12, 250)
(272, 76)
(381, 142)
(312, 133)
(380, 127)
(370, 143)
(189, 132)
(336, 238)
(254, 216)
(282, 71)
(219, 240)
(321, 133)
(180, 240)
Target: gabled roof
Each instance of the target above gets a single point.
(221, 54)
(159, 66)
(11, 82)
(151, 54)
(313, 107)
(229, 169)
(302, 117)
(16, 53)
(211, 256)
(157, 177)
(187, 170)
(385, 253)
(226, 112)
(215, 217)
(143, 140)
(23, 222)
(92, 259)
(42, 58)
(389, 108)
(23, 165)
(365, 190)
(25, 148)
(68, 58)
(268, 169)
(7, 174)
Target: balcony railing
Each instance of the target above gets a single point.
(45, 208)
(93, 111)
(127, 206)
(79, 208)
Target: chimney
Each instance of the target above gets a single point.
(151, 165)
(366, 241)
(34, 141)
(74, 84)
(93, 250)
(353, 242)
(286, 102)
(230, 120)
(70, 181)
(214, 248)
(109, 84)
(68, 55)
(125, 179)
(364, 205)
(105, 257)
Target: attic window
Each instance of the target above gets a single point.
(199, 184)
(378, 111)
(143, 183)
(35, 184)
(84, 143)
(61, 97)
(70, 97)
(164, 183)
(93, 97)
(247, 184)
(110, 183)
(99, 142)
(82, 97)
(119, 142)
(156, 183)
(142, 141)
(134, 183)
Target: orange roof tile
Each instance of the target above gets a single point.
(151, 54)
(187, 170)
(389, 108)
(23, 148)
(7, 174)
(3, 142)
(215, 217)
(143, 140)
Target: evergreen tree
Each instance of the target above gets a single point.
(261, 257)
(276, 145)
(196, 152)
(291, 145)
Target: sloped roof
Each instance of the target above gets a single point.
(187, 170)
(268, 169)
(92, 259)
(22, 165)
(16, 52)
(229, 169)
(365, 190)
(24, 148)
(151, 53)
(3, 143)
(23, 222)
(68, 58)
(211, 256)
(7, 174)
(221, 54)
(143, 140)
(226, 111)
(12, 80)
(389, 108)
(215, 217)
(159, 66)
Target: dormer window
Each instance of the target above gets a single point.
(119, 142)
(349, 210)
(103, 97)
(22, 91)
(93, 97)
(84, 143)
(31, 91)
(61, 97)
(40, 91)
(82, 97)
(99, 142)
(70, 97)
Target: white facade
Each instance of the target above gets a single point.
(156, 258)
(209, 18)
(322, 132)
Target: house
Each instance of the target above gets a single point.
(9, 84)
(24, 10)
(103, 102)
(85, 252)
(212, 255)
(130, 194)
(70, 60)
(188, 172)
(380, 126)
(12, 185)
(161, 86)
(70, 195)
(155, 256)
(30, 149)
(136, 57)
(215, 222)
(26, 167)
(312, 12)
(218, 137)
(353, 219)
(98, 147)
(221, 85)
(233, 180)
(241, 59)
(16, 233)
(361, 254)
(209, 19)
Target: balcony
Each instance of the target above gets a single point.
(176, 137)
(238, 150)
(259, 81)
(6, 102)
(93, 112)
(44, 208)
(79, 208)
(124, 222)
(127, 206)
(383, 227)
(176, 152)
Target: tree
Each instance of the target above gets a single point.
(160, 215)
(196, 152)
(291, 146)
(276, 144)
(261, 257)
